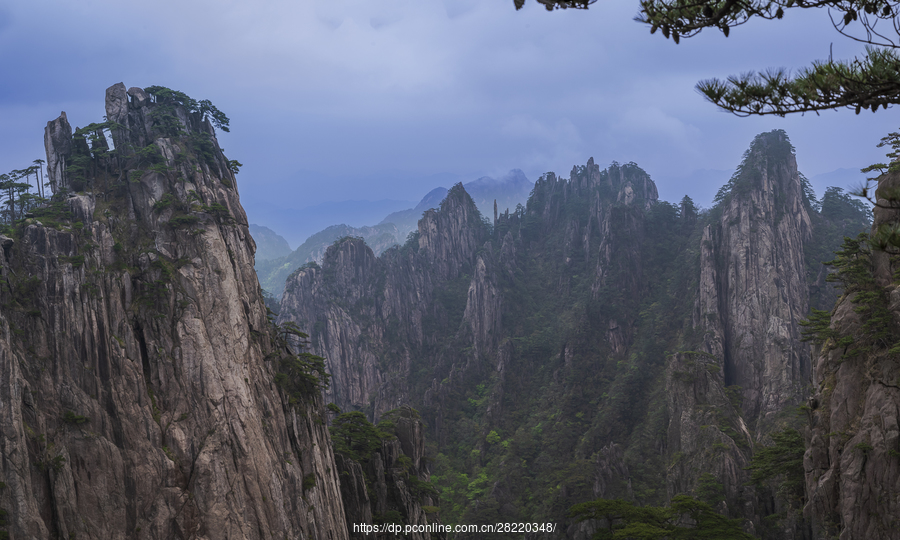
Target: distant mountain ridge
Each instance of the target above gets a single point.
(269, 244)
(511, 189)
(272, 273)
(602, 343)
(846, 179)
(296, 223)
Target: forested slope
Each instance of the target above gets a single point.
(598, 343)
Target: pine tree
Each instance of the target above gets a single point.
(865, 83)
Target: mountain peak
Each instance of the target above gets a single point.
(456, 196)
(432, 199)
(768, 166)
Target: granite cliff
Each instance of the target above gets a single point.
(749, 368)
(138, 394)
(851, 460)
(391, 483)
(597, 343)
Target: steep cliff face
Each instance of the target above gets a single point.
(754, 286)
(138, 365)
(851, 461)
(750, 367)
(392, 485)
(598, 343)
(397, 291)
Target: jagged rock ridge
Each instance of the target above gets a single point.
(489, 194)
(598, 318)
(273, 273)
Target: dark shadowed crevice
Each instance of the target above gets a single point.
(145, 357)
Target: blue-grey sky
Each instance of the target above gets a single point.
(332, 100)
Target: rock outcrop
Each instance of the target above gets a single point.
(596, 332)
(754, 290)
(137, 365)
(852, 461)
(59, 145)
(396, 291)
(749, 369)
(393, 485)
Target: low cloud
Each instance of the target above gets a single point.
(354, 89)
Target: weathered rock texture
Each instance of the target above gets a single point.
(394, 480)
(59, 145)
(137, 363)
(596, 332)
(750, 368)
(852, 460)
(753, 289)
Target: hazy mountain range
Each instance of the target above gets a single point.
(275, 260)
(604, 343)
(273, 264)
(597, 343)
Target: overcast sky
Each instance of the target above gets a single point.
(332, 100)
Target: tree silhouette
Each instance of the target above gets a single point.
(204, 107)
(865, 83)
(40, 164)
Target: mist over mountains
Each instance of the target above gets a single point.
(297, 224)
(697, 370)
(597, 343)
(273, 266)
(701, 185)
(508, 191)
(269, 244)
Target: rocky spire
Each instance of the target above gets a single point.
(753, 280)
(138, 393)
(58, 145)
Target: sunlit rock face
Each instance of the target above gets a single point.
(137, 365)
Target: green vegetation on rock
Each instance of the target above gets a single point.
(782, 461)
(553, 350)
(684, 517)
